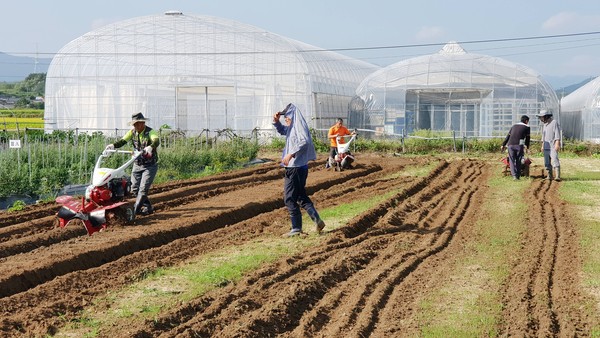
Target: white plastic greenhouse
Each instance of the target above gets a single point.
(452, 90)
(580, 112)
(194, 73)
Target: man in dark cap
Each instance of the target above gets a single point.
(146, 140)
(551, 141)
(517, 140)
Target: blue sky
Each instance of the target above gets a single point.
(45, 26)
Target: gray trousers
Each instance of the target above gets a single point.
(551, 159)
(142, 177)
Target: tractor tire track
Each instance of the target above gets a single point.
(547, 301)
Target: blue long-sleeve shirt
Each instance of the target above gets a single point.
(294, 145)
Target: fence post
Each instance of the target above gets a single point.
(454, 140)
(29, 160)
(402, 141)
(19, 160)
(85, 152)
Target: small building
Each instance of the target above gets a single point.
(452, 90)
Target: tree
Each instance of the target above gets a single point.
(22, 103)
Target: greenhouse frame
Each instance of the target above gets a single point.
(580, 112)
(194, 73)
(469, 94)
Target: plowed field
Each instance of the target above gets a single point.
(365, 278)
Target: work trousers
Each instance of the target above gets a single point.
(515, 155)
(295, 197)
(142, 177)
(551, 159)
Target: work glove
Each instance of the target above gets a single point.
(107, 149)
(148, 151)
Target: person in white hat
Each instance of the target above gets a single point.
(146, 140)
(551, 142)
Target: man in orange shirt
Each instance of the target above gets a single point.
(336, 130)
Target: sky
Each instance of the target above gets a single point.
(381, 32)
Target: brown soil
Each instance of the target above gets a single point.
(365, 279)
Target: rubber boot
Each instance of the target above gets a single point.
(296, 222)
(557, 173)
(549, 174)
(139, 203)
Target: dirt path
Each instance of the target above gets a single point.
(365, 279)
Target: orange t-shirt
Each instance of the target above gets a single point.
(340, 131)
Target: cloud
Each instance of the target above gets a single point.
(429, 33)
(571, 22)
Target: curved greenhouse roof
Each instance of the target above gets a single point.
(194, 73)
(452, 90)
(580, 112)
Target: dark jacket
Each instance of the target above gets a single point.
(519, 134)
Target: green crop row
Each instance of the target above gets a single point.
(44, 165)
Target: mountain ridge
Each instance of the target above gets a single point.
(16, 68)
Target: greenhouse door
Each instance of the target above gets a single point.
(200, 108)
(459, 118)
(462, 118)
(441, 110)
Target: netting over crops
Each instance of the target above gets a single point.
(580, 112)
(452, 90)
(194, 73)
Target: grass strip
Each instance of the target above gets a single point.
(580, 188)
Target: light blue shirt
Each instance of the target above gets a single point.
(298, 140)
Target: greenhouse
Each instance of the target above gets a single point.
(580, 112)
(452, 90)
(194, 73)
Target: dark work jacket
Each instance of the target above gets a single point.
(519, 134)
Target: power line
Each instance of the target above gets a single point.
(504, 49)
(464, 42)
(539, 37)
